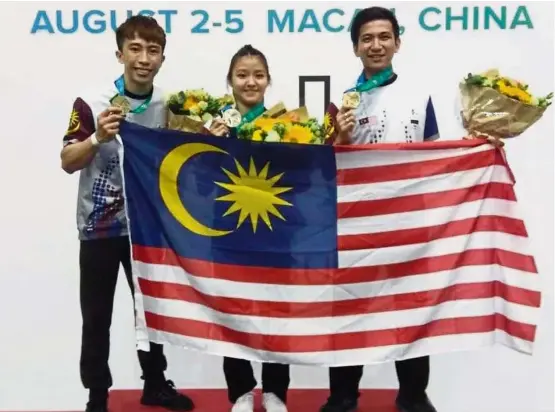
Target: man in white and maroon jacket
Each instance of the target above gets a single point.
(89, 146)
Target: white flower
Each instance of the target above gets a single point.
(273, 136)
(206, 117)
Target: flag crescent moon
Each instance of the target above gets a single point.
(168, 176)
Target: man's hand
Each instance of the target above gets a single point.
(107, 124)
(219, 128)
(345, 124)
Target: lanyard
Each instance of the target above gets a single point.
(364, 85)
(120, 86)
(252, 114)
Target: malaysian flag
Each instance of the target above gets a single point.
(323, 255)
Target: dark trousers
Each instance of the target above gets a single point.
(99, 262)
(240, 378)
(413, 375)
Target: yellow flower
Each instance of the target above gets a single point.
(513, 83)
(194, 109)
(265, 123)
(298, 134)
(257, 136)
(189, 102)
(514, 92)
(525, 98)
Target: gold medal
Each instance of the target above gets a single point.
(351, 100)
(121, 102)
(232, 118)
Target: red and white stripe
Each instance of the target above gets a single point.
(432, 258)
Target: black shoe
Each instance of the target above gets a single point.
(165, 395)
(97, 407)
(98, 400)
(407, 405)
(340, 405)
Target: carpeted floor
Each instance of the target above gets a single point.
(299, 400)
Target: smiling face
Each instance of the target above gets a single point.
(249, 81)
(376, 45)
(142, 61)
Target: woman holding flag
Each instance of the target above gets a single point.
(249, 77)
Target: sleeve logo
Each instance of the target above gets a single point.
(74, 122)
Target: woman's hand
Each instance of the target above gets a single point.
(219, 128)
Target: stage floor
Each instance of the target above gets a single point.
(299, 400)
(215, 400)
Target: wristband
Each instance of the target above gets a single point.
(94, 140)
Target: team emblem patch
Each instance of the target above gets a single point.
(74, 122)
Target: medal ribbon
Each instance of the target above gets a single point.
(378, 79)
(120, 86)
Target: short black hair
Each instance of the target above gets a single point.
(370, 14)
(144, 27)
(247, 50)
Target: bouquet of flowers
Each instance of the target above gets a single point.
(189, 110)
(280, 125)
(494, 106)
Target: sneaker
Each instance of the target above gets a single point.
(244, 404)
(272, 403)
(164, 394)
(340, 405)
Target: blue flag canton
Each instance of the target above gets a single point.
(231, 201)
